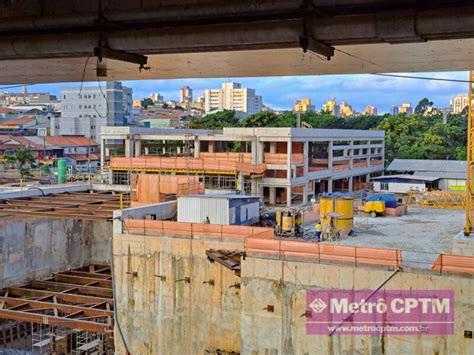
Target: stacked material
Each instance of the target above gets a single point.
(153, 188)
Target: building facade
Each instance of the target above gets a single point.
(232, 97)
(284, 166)
(304, 105)
(458, 103)
(84, 111)
(186, 95)
(371, 110)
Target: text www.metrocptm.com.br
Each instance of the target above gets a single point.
(375, 328)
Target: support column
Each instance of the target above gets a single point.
(330, 154)
(288, 196)
(128, 148)
(351, 156)
(240, 183)
(138, 147)
(306, 157)
(147, 151)
(273, 147)
(178, 150)
(289, 152)
(305, 194)
(102, 154)
(351, 184)
(272, 196)
(197, 148)
(329, 185)
(261, 149)
(212, 146)
(254, 152)
(254, 188)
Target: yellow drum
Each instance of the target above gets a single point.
(343, 207)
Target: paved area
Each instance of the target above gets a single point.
(421, 234)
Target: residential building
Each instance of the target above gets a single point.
(446, 175)
(156, 98)
(406, 109)
(458, 103)
(127, 104)
(284, 166)
(345, 110)
(185, 95)
(12, 99)
(304, 105)
(232, 97)
(84, 111)
(332, 107)
(393, 110)
(370, 110)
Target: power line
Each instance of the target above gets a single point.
(423, 78)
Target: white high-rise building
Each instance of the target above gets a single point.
(459, 102)
(232, 97)
(85, 111)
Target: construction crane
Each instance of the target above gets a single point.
(470, 162)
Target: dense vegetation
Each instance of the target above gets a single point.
(407, 137)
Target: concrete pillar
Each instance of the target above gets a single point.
(289, 153)
(330, 154)
(178, 149)
(351, 183)
(306, 156)
(254, 188)
(197, 148)
(272, 196)
(329, 185)
(254, 152)
(273, 147)
(147, 151)
(240, 183)
(128, 148)
(367, 178)
(212, 146)
(288, 196)
(138, 147)
(102, 154)
(305, 194)
(261, 149)
(351, 156)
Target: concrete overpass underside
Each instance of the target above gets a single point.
(47, 41)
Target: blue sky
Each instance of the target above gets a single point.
(281, 92)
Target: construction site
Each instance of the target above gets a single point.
(215, 241)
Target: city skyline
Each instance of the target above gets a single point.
(281, 92)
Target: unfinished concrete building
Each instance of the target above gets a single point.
(285, 166)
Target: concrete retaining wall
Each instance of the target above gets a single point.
(172, 316)
(32, 248)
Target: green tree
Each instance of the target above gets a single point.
(217, 120)
(147, 102)
(24, 159)
(423, 106)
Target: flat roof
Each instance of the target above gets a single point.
(428, 165)
(407, 177)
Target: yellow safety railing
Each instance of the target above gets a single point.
(454, 200)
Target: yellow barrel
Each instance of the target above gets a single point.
(343, 205)
(287, 223)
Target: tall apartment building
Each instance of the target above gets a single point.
(155, 97)
(393, 110)
(406, 109)
(232, 97)
(370, 110)
(459, 103)
(332, 107)
(304, 105)
(85, 111)
(186, 95)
